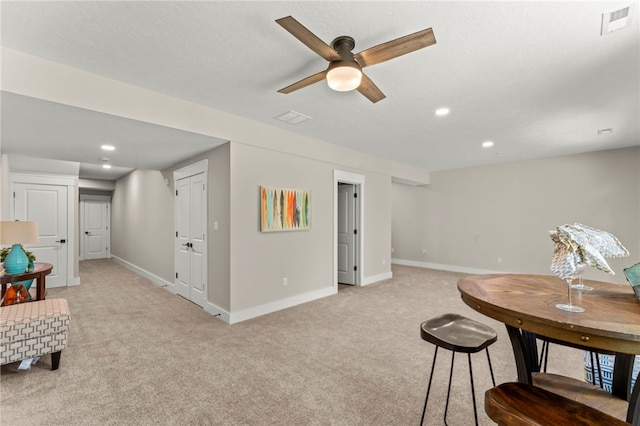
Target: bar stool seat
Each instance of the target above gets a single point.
(457, 334)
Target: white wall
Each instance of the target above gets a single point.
(466, 219)
(38, 78)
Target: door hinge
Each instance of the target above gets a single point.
(355, 195)
(355, 232)
(176, 234)
(203, 186)
(355, 268)
(176, 275)
(14, 194)
(176, 192)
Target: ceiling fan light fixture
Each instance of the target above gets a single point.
(344, 76)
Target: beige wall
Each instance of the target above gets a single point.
(246, 266)
(142, 222)
(471, 217)
(260, 261)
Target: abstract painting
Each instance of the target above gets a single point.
(284, 209)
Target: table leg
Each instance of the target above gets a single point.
(40, 287)
(633, 413)
(622, 373)
(521, 352)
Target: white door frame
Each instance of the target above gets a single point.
(70, 182)
(356, 179)
(187, 171)
(90, 197)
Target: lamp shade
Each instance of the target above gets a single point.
(18, 232)
(344, 76)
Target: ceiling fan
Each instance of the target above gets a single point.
(345, 68)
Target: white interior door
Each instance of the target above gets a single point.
(47, 205)
(183, 236)
(198, 246)
(191, 225)
(96, 233)
(347, 234)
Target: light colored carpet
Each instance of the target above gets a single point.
(138, 355)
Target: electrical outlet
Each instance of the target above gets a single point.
(499, 260)
(285, 281)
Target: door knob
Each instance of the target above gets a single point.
(188, 244)
(61, 241)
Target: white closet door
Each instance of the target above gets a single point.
(47, 205)
(191, 238)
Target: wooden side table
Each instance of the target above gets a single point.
(39, 272)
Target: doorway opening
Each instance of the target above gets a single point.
(348, 229)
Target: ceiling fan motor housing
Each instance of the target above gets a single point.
(344, 46)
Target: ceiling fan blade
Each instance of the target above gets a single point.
(369, 89)
(304, 82)
(394, 48)
(310, 40)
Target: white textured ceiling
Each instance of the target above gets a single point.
(537, 78)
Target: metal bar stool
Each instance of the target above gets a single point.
(457, 334)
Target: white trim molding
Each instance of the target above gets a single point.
(267, 308)
(444, 267)
(146, 274)
(377, 278)
(201, 166)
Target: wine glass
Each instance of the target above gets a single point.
(580, 286)
(569, 306)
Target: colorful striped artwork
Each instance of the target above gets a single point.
(284, 209)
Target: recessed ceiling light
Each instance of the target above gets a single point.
(440, 112)
(487, 144)
(108, 147)
(106, 166)
(605, 131)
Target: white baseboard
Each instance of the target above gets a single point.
(376, 278)
(444, 267)
(267, 308)
(148, 275)
(212, 309)
(235, 317)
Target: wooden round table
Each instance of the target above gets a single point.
(526, 305)
(40, 270)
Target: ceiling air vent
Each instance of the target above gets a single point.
(617, 19)
(293, 117)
